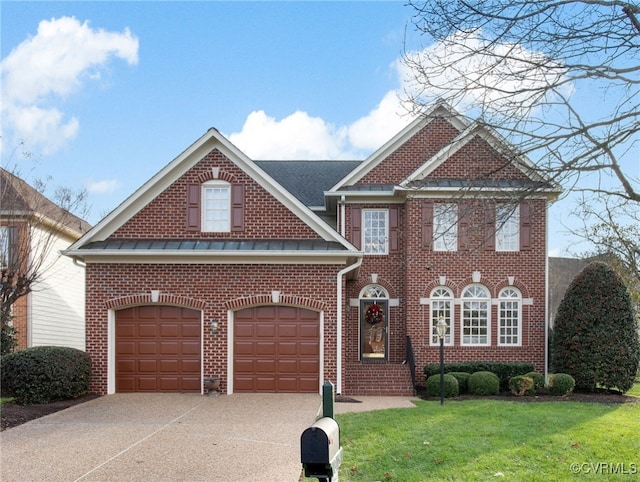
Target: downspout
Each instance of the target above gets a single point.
(341, 273)
(546, 301)
(341, 216)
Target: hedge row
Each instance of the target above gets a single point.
(505, 371)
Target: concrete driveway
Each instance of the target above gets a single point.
(164, 437)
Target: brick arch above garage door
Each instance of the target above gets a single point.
(158, 349)
(276, 349)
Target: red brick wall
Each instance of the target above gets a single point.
(165, 216)
(412, 273)
(217, 288)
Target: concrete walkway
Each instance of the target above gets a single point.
(170, 437)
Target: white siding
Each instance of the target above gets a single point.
(57, 303)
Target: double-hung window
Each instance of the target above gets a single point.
(216, 207)
(507, 227)
(445, 227)
(376, 231)
(475, 315)
(509, 316)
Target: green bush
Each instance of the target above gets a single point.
(595, 337)
(538, 379)
(522, 385)
(504, 371)
(484, 383)
(451, 388)
(45, 373)
(463, 378)
(561, 384)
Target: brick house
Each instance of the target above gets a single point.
(33, 232)
(278, 275)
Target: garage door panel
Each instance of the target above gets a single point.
(126, 330)
(126, 348)
(190, 366)
(264, 366)
(169, 330)
(191, 330)
(288, 330)
(309, 330)
(265, 347)
(190, 347)
(308, 348)
(308, 366)
(126, 366)
(287, 348)
(158, 349)
(147, 347)
(265, 330)
(270, 353)
(308, 384)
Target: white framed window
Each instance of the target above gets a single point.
(509, 316)
(374, 322)
(375, 231)
(445, 227)
(441, 300)
(216, 207)
(4, 246)
(476, 313)
(507, 227)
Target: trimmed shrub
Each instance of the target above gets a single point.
(538, 379)
(561, 384)
(484, 383)
(451, 388)
(522, 385)
(595, 337)
(45, 374)
(463, 378)
(504, 371)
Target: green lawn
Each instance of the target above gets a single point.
(492, 440)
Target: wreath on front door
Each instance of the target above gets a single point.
(374, 314)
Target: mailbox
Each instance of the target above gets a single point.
(320, 449)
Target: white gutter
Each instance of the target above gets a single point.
(341, 273)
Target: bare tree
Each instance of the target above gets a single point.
(559, 79)
(30, 227)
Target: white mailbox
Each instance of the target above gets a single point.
(320, 449)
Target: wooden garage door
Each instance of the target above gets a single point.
(276, 349)
(157, 349)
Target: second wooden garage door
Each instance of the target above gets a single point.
(157, 349)
(276, 349)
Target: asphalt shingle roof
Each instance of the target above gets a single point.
(308, 180)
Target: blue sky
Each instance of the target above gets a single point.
(140, 81)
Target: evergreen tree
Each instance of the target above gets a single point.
(595, 334)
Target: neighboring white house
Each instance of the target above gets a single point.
(33, 232)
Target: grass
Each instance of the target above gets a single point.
(491, 439)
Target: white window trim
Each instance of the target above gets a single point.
(209, 185)
(486, 300)
(386, 232)
(520, 302)
(450, 320)
(450, 234)
(501, 224)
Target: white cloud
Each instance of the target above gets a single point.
(303, 137)
(104, 186)
(503, 78)
(47, 68)
(297, 136)
(387, 119)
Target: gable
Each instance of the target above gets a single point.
(263, 215)
(160, 209)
